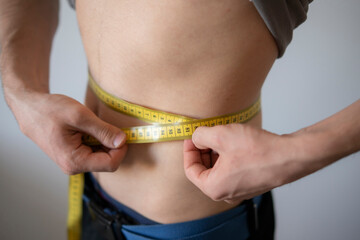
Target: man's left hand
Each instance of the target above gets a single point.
(237, 162)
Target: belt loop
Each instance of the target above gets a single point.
(116, 229)
(110, 225)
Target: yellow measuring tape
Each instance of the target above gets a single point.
(165, 127)
(76, 188)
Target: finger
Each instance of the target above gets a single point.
(207, 137)
(195, 170)
(107, 134)
(204, 153)
(85, 160)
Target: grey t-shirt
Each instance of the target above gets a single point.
(280, 16)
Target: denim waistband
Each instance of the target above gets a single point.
(225, 225)
(119, 206)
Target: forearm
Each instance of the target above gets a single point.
(252, 161)
(27, 28)
(329, 140)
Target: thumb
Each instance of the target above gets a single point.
(208, 137)
(107, 134)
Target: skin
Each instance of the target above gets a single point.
(250, 161)
(149, 54)
(229, 59)
(220, 49)
(26, 32)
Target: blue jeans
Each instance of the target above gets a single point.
(105, 218)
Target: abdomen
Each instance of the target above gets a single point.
(195, 58)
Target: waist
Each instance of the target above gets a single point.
(198, 66)
(155, 172)
(224, 225)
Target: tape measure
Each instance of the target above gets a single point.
(165, 127)
(76, 188)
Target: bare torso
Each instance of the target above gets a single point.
(198, 58)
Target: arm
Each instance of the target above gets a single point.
(252, 161)
(54, 122)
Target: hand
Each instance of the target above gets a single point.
(237, 162)
(56, 123)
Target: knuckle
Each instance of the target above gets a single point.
(217, 190)
(104, 132)
(213, 192)
(68, 166)
(68, 170)
(77, 115)
(216, 196)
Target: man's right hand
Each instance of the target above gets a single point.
(57, 123)
(54, 122)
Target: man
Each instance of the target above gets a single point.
(176, 56)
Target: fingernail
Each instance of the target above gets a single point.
(118, 139)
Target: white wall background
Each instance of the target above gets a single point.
(318, 76)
